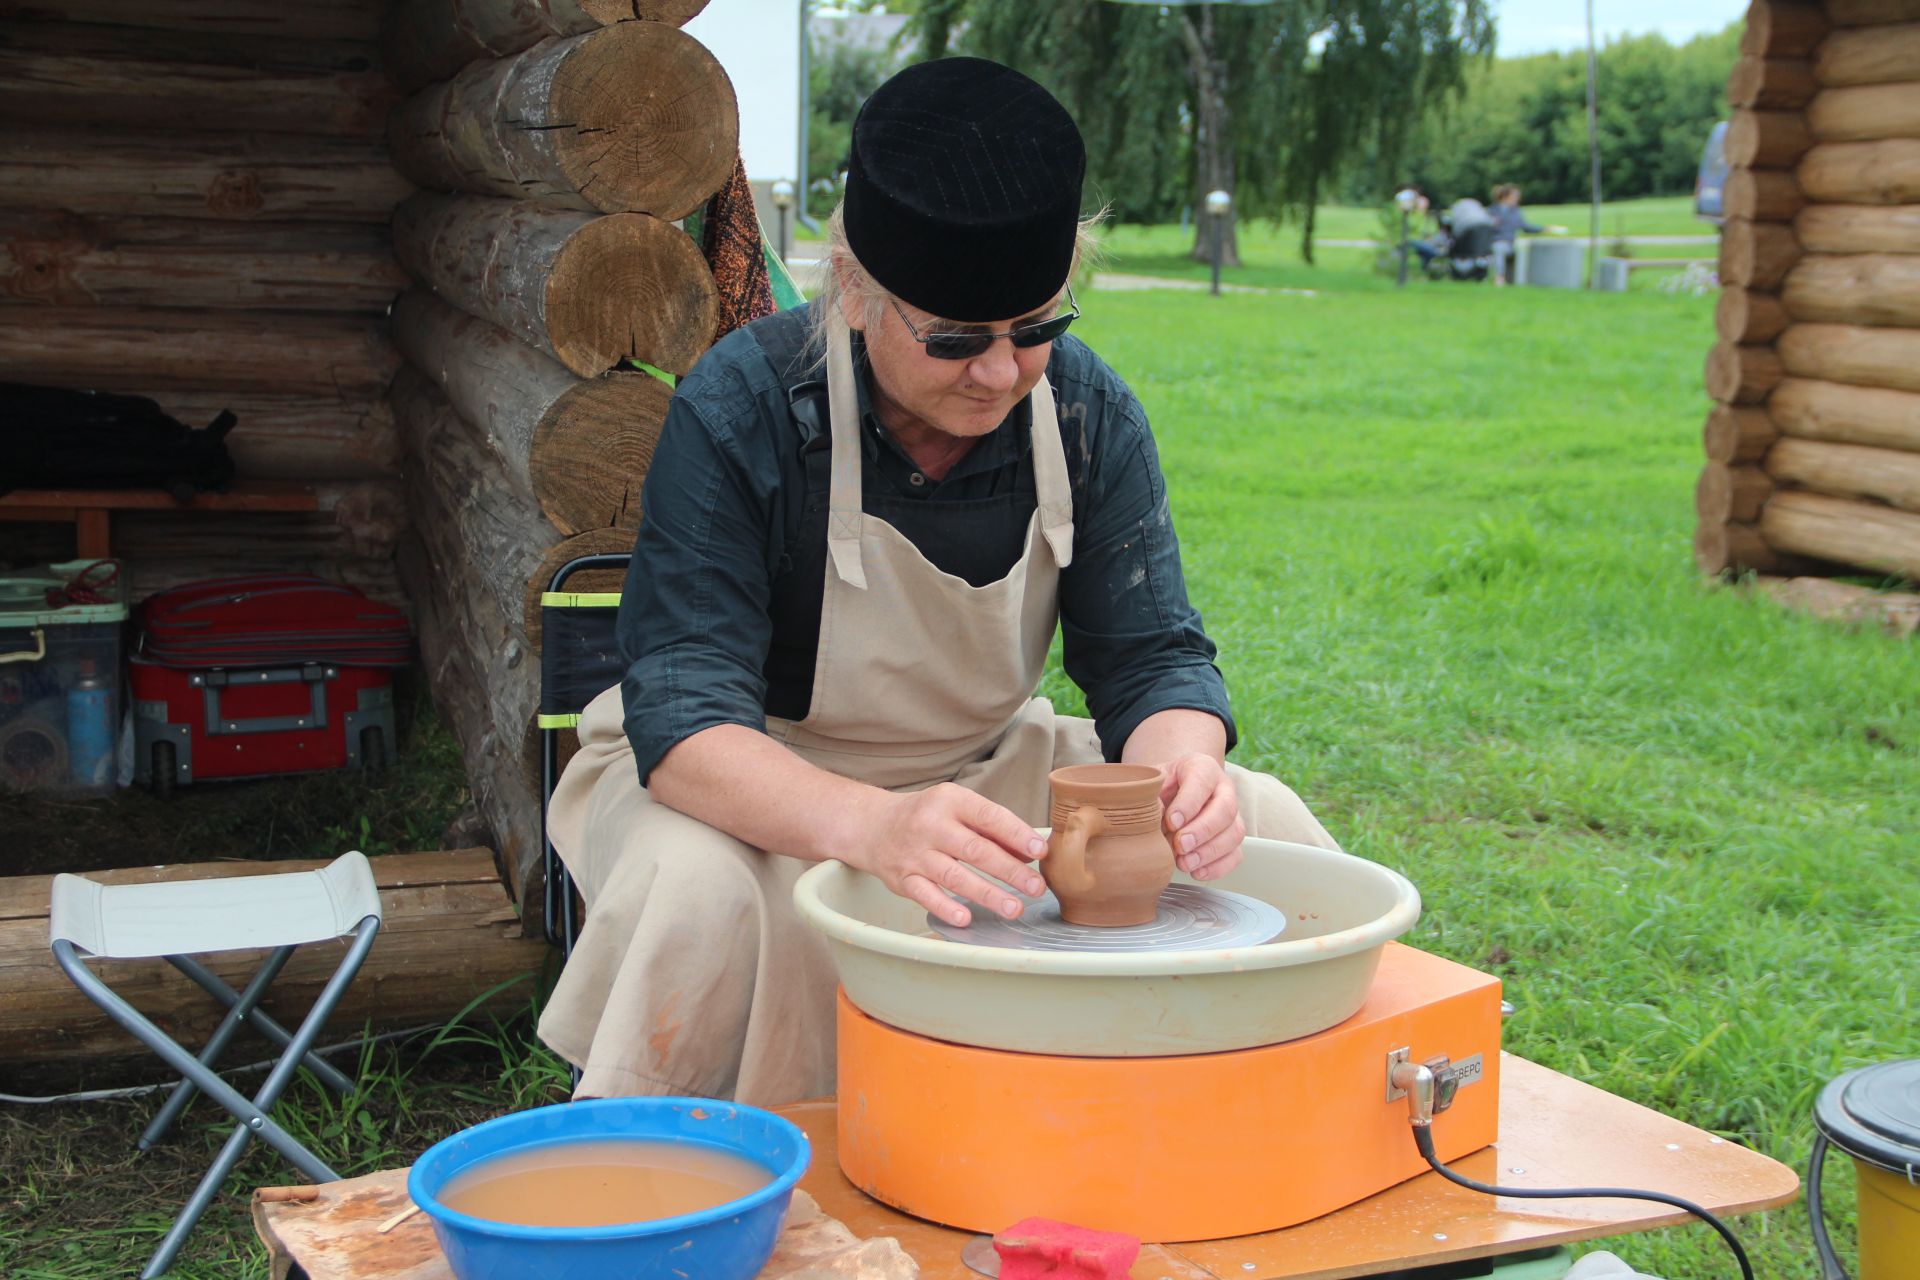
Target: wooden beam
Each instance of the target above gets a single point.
(1844, 530)
(1816, 410)
(1867, 112)
(1848, 470)
(590, 290)
(357, 20)
(69, 89)
(632, 118)
(1859, 228)
(1883, 173)
(116, 348)
(67, 260)
(428, 40)
(1770, 84)
(265, 177)
(1885, 54)
(1855, 288)
(1856, 354)
(449, 935)
(1782, 29)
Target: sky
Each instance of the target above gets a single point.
(1541, 26)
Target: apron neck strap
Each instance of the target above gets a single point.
(844, 507)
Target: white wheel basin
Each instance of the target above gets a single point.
(1341, 911)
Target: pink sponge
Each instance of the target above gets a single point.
(1042, 1249)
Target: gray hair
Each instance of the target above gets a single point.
(847, 281)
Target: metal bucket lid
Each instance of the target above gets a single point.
(1873, 1114)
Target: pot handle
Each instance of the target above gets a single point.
(1067, 848)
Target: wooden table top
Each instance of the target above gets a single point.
(1556, 1132)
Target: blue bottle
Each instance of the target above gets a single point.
(90, 730)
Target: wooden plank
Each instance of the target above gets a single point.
(28, 897)
(252, 495)
(445, 940)
(1561, 1131)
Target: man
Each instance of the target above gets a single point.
(863, 522)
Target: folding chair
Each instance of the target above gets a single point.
(579, 659)
(175, 920)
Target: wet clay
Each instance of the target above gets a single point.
(598, 1184)
(1109, 857)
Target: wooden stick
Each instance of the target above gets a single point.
(397, 1219)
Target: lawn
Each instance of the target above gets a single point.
(1441, 535)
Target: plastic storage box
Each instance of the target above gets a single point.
(60, 676)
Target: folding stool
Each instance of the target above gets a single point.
(176, 919)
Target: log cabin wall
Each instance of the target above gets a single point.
(1813, 446)
(551, 145)
(194, 197)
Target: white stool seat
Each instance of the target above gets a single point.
(187, 917)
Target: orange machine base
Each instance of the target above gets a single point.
(1166, 1149)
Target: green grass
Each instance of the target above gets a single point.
(1441, 536)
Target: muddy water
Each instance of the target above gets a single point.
(596, 1184)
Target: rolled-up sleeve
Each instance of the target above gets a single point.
(1132, 641)
(693, 625)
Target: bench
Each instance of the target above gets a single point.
(1613, 272)
(90, 510)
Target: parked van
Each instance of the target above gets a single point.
(1709, 201)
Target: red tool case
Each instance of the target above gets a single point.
(247, 677)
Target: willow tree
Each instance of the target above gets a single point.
(1271, 101)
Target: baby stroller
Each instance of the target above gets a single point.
(1469, 238)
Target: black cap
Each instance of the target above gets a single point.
(963, 194)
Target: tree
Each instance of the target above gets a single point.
(1523, 120)
(1270, 102)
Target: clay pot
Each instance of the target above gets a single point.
(1109, 857)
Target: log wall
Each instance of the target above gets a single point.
(552, 143)
(417, 246)
(194, 198)
(1813, 448)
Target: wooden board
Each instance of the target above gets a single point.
(335, 1236)
(1558, 1132)
(450, 934)
(1548, 1123)
(254, 495)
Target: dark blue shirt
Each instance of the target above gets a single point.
(720, 618)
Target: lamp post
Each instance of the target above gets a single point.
(1218, 203)
(782, 193)
(1406, 198)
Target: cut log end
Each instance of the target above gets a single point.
(1782, 29)
(1741, 374)
(1738, 435)
(630, 286)
(654, 125)
(1742, 315)
(594, 449)
(1723, 549)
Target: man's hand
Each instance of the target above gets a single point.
(922, 844)
(1203, 815)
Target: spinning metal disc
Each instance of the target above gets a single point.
(1191, 918)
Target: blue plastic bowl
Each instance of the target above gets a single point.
(729, 1242)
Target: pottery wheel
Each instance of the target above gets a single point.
(1191, 918)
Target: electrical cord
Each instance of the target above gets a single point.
(1422, 1088)
(1830, 1268)
(1423, 1138)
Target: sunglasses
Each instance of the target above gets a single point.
(966, 344)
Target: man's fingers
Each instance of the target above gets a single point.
(1220, 854)
(928, 895)
(956, 877)
(977, 850)
(1199, 841)
(999, 825)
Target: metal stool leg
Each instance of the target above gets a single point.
(276, 1083)
(216, 1045)
(258, 1019)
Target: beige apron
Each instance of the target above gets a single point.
(693, 974)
